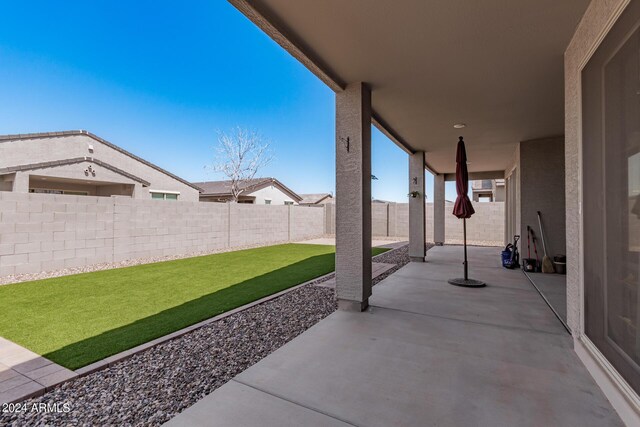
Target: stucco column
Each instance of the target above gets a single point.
(21, 182)
(438, 209)
(353, 197)
(416, 207)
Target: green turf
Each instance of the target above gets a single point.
(76, 320)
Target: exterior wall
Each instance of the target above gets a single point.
(594, 25)
(260, 224)
(27, 151)
(486, 227)
(380, 219)
(272, 193)
(44, 232)
(592, 29)
(304, 221)
(512, 196)
(542, 186)
(500, 193)
(402, 220)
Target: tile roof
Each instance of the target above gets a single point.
(312, 199)
(223, 188)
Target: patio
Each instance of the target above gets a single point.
(424, 353)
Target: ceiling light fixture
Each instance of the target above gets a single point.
(460, 126)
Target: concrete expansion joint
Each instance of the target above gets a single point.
(453, 319)
(278, 396)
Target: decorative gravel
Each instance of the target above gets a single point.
(153, 386)
(399, 257)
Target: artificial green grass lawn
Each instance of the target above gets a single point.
(76, 320)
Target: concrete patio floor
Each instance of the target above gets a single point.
(554, 289)
(425, 353)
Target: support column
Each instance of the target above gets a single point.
(438, 210)
(353, 197)
(21, 182)
(416, 207)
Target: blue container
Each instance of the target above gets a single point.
(508, 260)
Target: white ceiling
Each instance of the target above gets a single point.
(496, 65)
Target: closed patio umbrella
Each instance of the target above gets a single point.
(463, 209)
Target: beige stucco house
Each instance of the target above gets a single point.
(81, 163)
(490, 190)
(257, 191)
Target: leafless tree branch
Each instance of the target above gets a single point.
(240, 154)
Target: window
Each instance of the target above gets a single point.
(267, 201)
(611, 182)
(156, 195)
(288, 203)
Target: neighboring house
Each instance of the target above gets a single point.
(80, 163)
(488, 190)
(317, 199)
(259, 191)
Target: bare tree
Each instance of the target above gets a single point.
(240, 154)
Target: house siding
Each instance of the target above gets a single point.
(28, 151)
(273, 193)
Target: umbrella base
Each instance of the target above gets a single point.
(467, 283)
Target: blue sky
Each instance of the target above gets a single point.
(158, 79)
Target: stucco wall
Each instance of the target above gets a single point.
(272, 193)
(512, 195)
(591, 29)
(542, 189)
(37, 150)
(44, 232)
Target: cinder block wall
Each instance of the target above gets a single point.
(486, 227)
(152, 228)
(304, 221)
(43, 232)
(380, 219)
(258, 224)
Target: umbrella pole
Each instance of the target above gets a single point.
(464, 235)
(466, 282)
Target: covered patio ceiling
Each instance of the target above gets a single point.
(495, 65)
